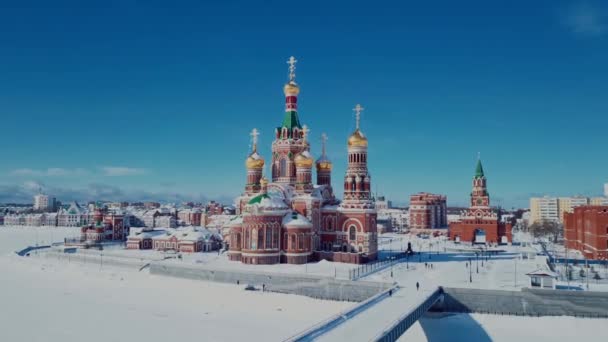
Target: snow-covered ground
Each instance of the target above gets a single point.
(486, 328)
(44, 299)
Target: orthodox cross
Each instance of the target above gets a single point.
(254, 137)
(358, 109)
(292, 68)
(323, 142)
(305, 131)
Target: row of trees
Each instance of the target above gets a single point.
(550, 229)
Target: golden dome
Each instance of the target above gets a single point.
(304, 159)
(324, 164)
(291, 89)
(357, 139)
(254, 161)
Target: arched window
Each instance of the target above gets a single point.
(293, 242)
(283, 168)
(247, 242)
(275, 237)
(268, 243)
(301, 242)
(352, 233)
(254, 239)
(261, 238)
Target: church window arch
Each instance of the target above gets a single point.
(301, 242)
(352, 233)
(261, 238)
(293, 242)
(254, 236)
(268, 243)
(283, 167)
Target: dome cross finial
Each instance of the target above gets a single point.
(323, 143)
(358, 109)
(254, 138)
(292, 68)
(305, 131)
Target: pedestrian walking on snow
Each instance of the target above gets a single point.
(417, 286)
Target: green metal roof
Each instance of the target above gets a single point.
(479, 170)
(291, 120)
(257, 199)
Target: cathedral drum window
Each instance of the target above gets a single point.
(352, 233)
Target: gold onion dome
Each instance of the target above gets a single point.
(254, 161)
(324, 164)
(304, 159)
(291, 89)
(357, 139)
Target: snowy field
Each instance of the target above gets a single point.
(486, 328)
(506, 271)
(48, 300)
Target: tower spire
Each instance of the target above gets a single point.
(479, 168)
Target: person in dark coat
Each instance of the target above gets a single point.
(417, 286)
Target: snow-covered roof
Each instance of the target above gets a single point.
(145, 233)
(296, 220)
(543, 272)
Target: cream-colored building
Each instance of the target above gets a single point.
(553, 208)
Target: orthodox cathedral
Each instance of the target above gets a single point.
(289, 219)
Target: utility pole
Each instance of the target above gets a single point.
(515, 274)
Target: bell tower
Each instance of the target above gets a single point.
(289, 137)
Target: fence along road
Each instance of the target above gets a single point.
(381, 317)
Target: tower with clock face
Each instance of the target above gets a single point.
(479, 195)
(480, 223)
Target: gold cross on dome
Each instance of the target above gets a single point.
(254, 138)
(292, 68)
(358, 109)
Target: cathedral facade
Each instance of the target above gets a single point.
(480, 223)
(290, 218)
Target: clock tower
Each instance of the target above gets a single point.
(479, 195)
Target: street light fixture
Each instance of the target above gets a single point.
(470, 271)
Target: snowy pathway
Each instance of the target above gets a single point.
(368, 324)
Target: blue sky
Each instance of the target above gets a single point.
(134, 99)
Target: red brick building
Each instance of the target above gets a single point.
(428, 211)
(586, 230)
(480, 223)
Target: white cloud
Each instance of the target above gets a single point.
(50, 172)
(586, 18)
(113, 171)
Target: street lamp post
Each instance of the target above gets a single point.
(470, 271)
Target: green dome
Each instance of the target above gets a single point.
(257, 199)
